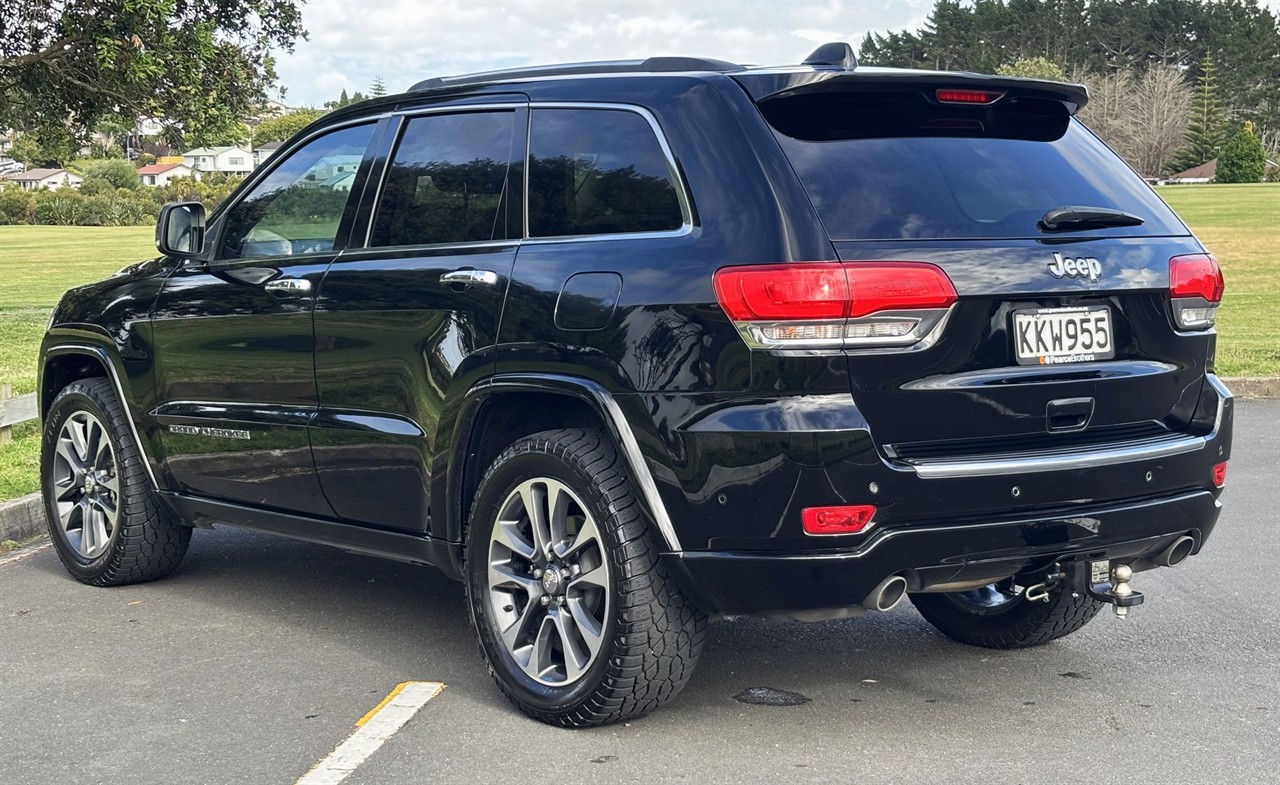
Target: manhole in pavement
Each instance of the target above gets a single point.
(767, 696)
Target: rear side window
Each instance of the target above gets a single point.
(447, 182)
(889, 166)
(598, 171)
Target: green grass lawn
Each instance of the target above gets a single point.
(1239, 223)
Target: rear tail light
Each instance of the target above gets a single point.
(1195, 289)
(834, 305)
(978, 97)
(1220, 474)
(850, 519)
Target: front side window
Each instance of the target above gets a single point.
(598, 171)
(447, 182)
(297, 208)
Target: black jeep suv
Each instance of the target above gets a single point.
(627, 346)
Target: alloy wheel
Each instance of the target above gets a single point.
(86, 485)
(548, 582)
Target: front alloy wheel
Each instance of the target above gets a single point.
(86, 486)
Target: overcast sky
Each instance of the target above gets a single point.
(404, 41)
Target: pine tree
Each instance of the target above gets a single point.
(343, 100)
(1206, 131)
(1243, 160)
(378, 88)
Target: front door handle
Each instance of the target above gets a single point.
(469, 277)
(289, 286)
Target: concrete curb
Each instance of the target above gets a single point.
(22, 518)
(1254, 387)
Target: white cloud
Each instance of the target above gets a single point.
(404, 41)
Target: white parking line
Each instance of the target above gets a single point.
(372, 730)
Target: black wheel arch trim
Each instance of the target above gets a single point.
(590, 392)
(107, 359)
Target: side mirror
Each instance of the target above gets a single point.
(180, 229)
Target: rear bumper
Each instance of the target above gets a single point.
(755, 582)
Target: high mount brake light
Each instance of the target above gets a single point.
(834, 305)
(1195, 289)
(973, 97)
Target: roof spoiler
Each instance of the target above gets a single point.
(771, 84)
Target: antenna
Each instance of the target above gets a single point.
(833, 55)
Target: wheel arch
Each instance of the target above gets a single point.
(64, 363)
(503, 408)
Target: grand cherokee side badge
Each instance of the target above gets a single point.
(1084, 267)
(218, 433)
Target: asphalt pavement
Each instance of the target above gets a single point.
(257, 658)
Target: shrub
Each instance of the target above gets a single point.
(16, 206)
(117, 171)
(1242, 160)
(57, 208)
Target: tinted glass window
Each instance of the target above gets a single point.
(597, 171)
(447, 181)
(888, 167)
(298, 207)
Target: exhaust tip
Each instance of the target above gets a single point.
(1176, 553)
(887, 595)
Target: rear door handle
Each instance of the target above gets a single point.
(289, 286)
(469, 277)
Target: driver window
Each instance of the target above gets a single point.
(297, 208)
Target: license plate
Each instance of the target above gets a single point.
(1050, 336)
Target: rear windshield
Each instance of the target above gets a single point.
(897, 166)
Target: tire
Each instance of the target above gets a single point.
(999, 617)
(603, 582)
(140, 540)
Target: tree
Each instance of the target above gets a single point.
(1243, 160)
(1205, 131)
(119, 173)
(1033, 67)
(199, 64)
(286, 126)
(378, 88)
(53, 148)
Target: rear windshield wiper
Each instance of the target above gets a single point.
(1067, 219)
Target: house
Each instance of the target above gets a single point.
(264, 151)
(228, 160)
(1204, 173)
(161, 174)
(53, 179)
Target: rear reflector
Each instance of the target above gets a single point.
(1195, 287)
(1220, 474)
(952, 96)
(837, 520)
(833, 304)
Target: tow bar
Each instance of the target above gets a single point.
(1098, 579)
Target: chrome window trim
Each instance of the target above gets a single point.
(682, 190)
(277, 159)
(421, 111)
(102, 354)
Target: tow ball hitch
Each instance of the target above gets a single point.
(1098, 579)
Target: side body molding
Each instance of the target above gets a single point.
(590, 392)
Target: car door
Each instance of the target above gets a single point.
(405, 322)
(233, 335)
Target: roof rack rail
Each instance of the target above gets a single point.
(651, 65)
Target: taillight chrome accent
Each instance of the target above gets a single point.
(1195, 289)
(835, 305)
